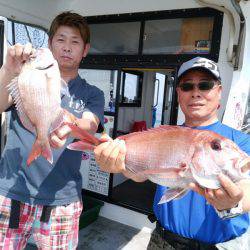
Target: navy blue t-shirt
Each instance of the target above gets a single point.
(43, 183)
(191, 216)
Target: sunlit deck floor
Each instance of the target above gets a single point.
(105, 234)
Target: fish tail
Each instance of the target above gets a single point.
(83, 135)
(81, 146)
(38, 149)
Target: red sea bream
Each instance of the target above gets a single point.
(175, 156)
(37, 95)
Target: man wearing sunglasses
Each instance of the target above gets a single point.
(199, 91)
(203, 218)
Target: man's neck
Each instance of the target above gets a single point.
(68, 75)
(198, 123)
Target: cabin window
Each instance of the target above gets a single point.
(131, 89)
(115, 38)
(25, 33)
(154, 38)
(178, 36)
(106, 80)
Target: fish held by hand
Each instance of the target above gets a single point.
(175, 156)
(36, 92)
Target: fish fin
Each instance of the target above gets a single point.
(83, 134)
(154, 130)
(81, 146)
(58, 121)
(172, 193)
(164, 127)
(124, 137)
(64, 88)
(207, 181)
(167, 127)
(40, 149)
(168, 172)
(14, 92)
(26, 122)
(132, 174)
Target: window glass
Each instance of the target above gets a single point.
(28, 34)
(105, 80)
(178, 36)
(131, 89)
(115, 38)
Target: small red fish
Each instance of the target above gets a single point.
(175, 156)
(37, 95)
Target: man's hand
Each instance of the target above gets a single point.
(226, 197)
(16, 56)
(59, 137)
(110, 155)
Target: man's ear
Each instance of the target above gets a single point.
(49, 44)
(86, 50)
(220, 91)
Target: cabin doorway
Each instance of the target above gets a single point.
(146, 101)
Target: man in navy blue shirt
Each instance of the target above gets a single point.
(43, 199)
(203, 218)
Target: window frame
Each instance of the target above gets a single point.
(156, 59)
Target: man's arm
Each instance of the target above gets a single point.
(89, 121)
(15, 58)
(5, 98)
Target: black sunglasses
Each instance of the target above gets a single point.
(203, 86)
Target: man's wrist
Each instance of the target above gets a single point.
(231, 212)
(9, 73)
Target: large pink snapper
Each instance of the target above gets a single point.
(175, 156)
(37, 95)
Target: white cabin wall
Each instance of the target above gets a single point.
(226, 68)
(238, 96)
(128, 115)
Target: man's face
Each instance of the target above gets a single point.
(68, 48)
(199, 105)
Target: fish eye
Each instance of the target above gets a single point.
(216, 145)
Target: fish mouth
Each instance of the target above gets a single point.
(49, 66)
